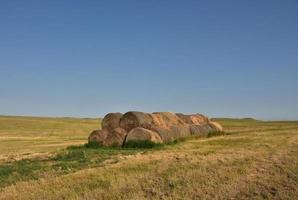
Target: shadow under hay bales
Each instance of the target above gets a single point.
(145, 144)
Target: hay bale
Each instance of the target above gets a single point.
(157, 120)
(142, 134)
(169, 126)
(172, 133)
(165, 134)
(200, 130)
(180, 131)
(185, 118)
(199, 119)
(206, 128)
(166, 119)
(216, 126)
(156, 127)
(98, 136)
(196, 119)
(115, 138)
(111, 121)
(131, 120)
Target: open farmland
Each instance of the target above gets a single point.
(28, 136)
(253, 160)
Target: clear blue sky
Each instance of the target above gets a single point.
(86, 58)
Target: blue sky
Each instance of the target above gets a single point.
(86, 58)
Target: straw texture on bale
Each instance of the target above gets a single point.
(200, 130)
(180, 131)
(196, 119)
(169, 126)
(216, 126)
(166, 119)
(131, 120)
(164, 133)
(141, 134)
(111, 121)
(98, 136)
(116, 137)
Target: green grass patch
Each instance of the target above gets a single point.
(93, 145)
(19, 171)
(179, 140)
(144, 144)
(66, 161)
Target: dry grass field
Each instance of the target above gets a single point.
(253, 160)
(28, 136)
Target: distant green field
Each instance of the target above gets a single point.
(253, 160)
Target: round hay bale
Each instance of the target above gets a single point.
(142, 134)
(111, 121)
(169, 126)
(98, 136)
(195, 129)
(157, 120)
(167, 119)
(180, 131)
(185, 118)
(196, 119)
(131, 120)
(115, 138)
(200, 130)
(206, 128)
(165, 134)
(199, 119)
(216, 126)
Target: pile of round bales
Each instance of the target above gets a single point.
(159, 127)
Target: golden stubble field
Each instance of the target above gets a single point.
(29, 136)
(253, 160)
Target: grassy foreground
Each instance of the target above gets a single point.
(254, 160)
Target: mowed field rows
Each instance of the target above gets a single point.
(28, 136)
(253, 160)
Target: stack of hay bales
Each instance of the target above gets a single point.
(158, 127)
